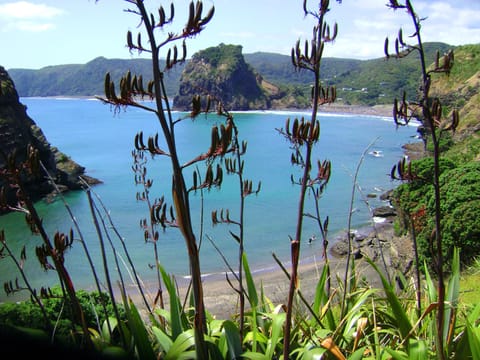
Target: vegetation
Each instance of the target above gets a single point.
(406, 318)
(221, 73)
(82, 79)
(360, 82)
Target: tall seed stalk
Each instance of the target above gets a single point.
(428, 111)
(303, 135)
(14, 174)
(132, 88)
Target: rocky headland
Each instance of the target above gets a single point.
(17, 132)
(222, 73)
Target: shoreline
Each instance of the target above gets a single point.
(355, 109)
(389, 252)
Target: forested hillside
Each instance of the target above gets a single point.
(459, 166)
(364, 82)
(83, 79)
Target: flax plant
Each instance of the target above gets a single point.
(428, 111)
(51, 249)
(303, 135)
(131, 91)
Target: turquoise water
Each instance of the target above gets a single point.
(102, 141)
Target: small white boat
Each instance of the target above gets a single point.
(376, 153)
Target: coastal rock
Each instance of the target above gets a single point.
(17, 132)
(384, 211)
(389, 251)
(222, 73)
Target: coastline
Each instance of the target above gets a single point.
(375, 110)
(221, 299)
(389, 252)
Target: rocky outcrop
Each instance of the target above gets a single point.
(222, 73)
(17, 132)
(378, 243)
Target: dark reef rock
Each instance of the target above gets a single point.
(17, 133)
(385, 211)
(222, 73)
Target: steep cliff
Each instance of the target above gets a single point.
(222, 72)
(17, 132)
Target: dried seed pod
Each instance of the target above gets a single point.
(195, 180)
(107, 86)
(198, 12)
(209, 16)
(130, 40)
(293, 58)
(172, 12)
(335, 31)
(184, 50)
(400, 37)
(161, 16)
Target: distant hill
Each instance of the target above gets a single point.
(278, 69)
(363, 82)
(83, 79)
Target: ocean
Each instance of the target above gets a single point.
(101, 140)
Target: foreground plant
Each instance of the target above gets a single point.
(51, 253)
(429, 112)
(303, 135)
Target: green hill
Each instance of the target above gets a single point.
(363, 82)
(221, 72)
(83, 79)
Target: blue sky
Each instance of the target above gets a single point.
(38, 33)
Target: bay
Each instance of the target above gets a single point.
(101, 140)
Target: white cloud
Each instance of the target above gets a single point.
(27, 16)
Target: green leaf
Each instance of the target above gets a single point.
(105, 332)
(397, 355)
(254, 356)
(175, 305)
(181, 345)
(358, 354)
(139, 332)
(163, 339)
(276, 334)
(252, 290)
(253, 299)
(417, 349)
(402, 320)
(233, 339)
(431, 287)
(321, 299)
(453, 290)
(315, 353)
(473, 335)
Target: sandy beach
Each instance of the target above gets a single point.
(381, 245)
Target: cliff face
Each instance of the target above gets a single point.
(17, 132)
(222, 72)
